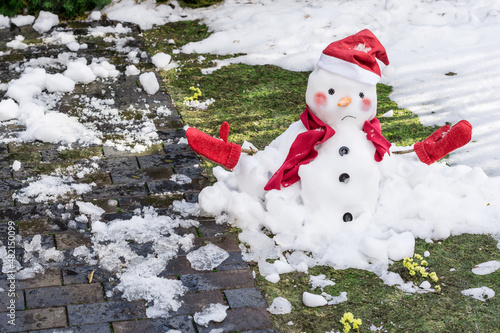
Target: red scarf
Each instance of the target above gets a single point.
(303, 149)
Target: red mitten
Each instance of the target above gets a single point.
(220, 151)
(443, 141)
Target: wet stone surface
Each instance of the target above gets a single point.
(121, 179)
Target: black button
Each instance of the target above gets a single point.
(344, 178)
(347, 217)
(343, 150)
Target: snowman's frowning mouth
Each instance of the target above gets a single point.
(348, 116)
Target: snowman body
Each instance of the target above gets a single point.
(343, 180)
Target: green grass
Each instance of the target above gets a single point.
(388, 307)
(259, 103)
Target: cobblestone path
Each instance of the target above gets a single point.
(61, 299)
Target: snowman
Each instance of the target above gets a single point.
(335, 149)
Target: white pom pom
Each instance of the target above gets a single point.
(388, 71)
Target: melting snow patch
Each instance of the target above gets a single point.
(486, 267)
(139, 274)
(50, 188)
(481, 294)
(280, 305)
(320, 281)
(215, 312)
(335, 299)
(181, 179)
(207, 257)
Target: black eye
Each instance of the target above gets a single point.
(331, 91)
(361, 95)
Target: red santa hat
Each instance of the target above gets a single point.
(355, 57)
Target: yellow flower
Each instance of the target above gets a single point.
(417, 256)
(434, 277)
(356, 323)
(347, 328)
(438, 288)
(424, 263)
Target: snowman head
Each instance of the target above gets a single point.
(342, 90)
(339, 101)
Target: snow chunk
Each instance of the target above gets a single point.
(215, 312)
(16, 166)
(486, 267)
(207, 257)
(149, 83)
(8, 109)
(481, 294)
(90, 209)
(17, 43)
(45, 21)
(22, 20)
(313, 300)
(132, 70)
(161, 60)
(79, 72)
(4, 22)
(59, 83)
(280, 305)
(95, 15)
(273, 277)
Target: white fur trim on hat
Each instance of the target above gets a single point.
(347, 69)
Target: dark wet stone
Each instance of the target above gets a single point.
(246, 297)
(116, 191)
(187, 158)
(154, 161)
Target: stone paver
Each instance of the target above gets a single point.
(180, 323)
(105, 312)
(61, 299)
(64, 295)
(30, 320)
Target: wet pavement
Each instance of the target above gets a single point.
(63, 299)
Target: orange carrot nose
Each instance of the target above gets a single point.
(345, 101)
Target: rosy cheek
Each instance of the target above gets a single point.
(366, 104)
(320, 99)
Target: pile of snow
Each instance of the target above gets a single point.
(414, 201)
(146, 13)
(139, 275)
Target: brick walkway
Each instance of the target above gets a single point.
(62, 298)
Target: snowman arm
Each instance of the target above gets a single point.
(218, 150)
(443, 141)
